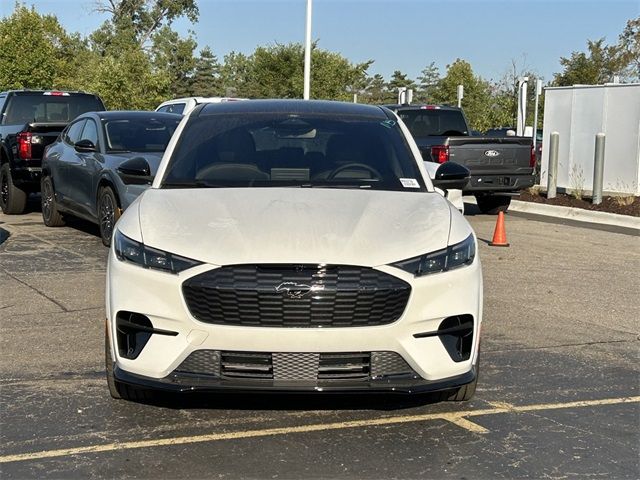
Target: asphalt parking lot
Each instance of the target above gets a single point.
(558, 394)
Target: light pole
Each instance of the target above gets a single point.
(307, 54)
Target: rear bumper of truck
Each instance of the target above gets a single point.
(499, 183)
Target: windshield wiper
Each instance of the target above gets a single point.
(191, 184)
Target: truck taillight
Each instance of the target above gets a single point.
(24, 145)
(532, 160)
(440, 153)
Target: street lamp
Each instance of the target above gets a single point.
(307, 54)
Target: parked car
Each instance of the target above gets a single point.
(29, 121)
(183, 106)
(85, 172)
(294, 246)
(499, 166)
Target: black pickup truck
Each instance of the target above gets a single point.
(499, 166)
(29, 121)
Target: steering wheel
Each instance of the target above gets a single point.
(361, 166)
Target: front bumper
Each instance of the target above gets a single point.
(190, 383)
(158, 296)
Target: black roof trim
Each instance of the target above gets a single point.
(309, 107)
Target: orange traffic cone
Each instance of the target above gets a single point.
(499, 234)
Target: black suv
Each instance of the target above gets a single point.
(29, 121)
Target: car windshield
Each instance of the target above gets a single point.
(139, 134)
(434, 122)
(278, 149)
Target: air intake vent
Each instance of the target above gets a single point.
(246, 365)
(344, 366)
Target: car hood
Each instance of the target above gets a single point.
(225, 226)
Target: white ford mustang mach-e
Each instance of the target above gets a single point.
(293, 246)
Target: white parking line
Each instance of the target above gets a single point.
(457, 418)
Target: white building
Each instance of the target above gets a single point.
(578, 113)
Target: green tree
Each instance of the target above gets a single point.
(206, 79)
(375, 91)
(427, 83)
(597, 66)
(477, 102)
(143, 18)
(397, 81)
(36, 51)
(235, 75)
(174, 55)
(629, 49)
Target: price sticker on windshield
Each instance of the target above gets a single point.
(409, 183)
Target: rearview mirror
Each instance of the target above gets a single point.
(85, 146)
(451, 176)
(135, 171)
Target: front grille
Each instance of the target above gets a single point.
(296, 296)
(295, 366)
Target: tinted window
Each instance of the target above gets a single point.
(90, 132)
(426, 123)
(140, 134)
(49, 108)
(173, 108)
(72, 134)
(278, 149)
(2, 100)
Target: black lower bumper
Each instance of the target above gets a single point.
(27, 178)
(181, 382)
(499, 183)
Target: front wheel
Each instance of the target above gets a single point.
(108, 214)
(493, 204)
(50, 214)
(13, 200)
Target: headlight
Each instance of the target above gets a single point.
(455, 256)
(128, 250)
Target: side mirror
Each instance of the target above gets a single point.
(135, 171)
(451, 176)
(85, 146)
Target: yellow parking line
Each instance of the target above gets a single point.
(467, 425)
(458, 418)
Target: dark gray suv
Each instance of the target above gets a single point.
(88, 171)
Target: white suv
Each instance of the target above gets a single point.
(294, 246)
(182, 106)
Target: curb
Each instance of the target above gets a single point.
(577, 214)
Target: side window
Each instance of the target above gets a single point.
(173, 108)
(73, 132)
(90, 132)
(163, 109)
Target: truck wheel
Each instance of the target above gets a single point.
(108, 213)
(493, 204)
(13, 200)
(50, 214)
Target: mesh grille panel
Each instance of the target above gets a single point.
(296, 296)
(296, 366)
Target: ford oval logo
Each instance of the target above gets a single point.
(491, 153)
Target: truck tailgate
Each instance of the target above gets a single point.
(492, 156)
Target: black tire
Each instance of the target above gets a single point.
(114, 391)
(464, 393)
(108, 213)
(13, 200)
(493, 204)
(118, 390)
(50, 214)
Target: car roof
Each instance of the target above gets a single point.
(29, 91)
(425, 106)
(308, 107)
(133, 114)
